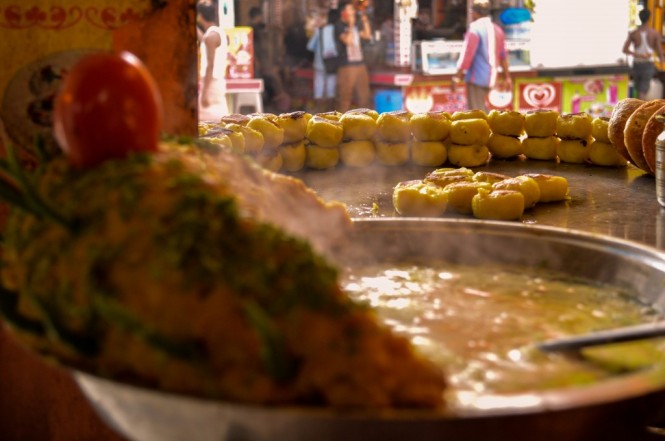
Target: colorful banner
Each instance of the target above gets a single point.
(596, 95)
(434, 97)
(241, 53)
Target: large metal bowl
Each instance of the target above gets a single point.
(616, 409)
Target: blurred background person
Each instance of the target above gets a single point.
(483, 52)
(325, 83)
(352, 76)
(645, 41)
(267, 62)
(214, 59)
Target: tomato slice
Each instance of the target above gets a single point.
(108, 106)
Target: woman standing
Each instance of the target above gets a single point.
(325, 82)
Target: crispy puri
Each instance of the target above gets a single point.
(634, 130)
(652, 129)
(618, 119)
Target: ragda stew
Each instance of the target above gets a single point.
(481, 324)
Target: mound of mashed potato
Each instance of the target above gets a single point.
(199, 272)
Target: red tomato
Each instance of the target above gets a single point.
(108, 105)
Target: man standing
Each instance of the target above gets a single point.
(483, 52)
(352, 76)
(645, 40)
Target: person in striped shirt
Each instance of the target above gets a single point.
(484, 51)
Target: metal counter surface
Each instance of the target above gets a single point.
(619, 202)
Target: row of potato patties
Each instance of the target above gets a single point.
(485, 195)
(549, 135)
(360, 137)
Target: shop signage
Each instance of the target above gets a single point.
(434, 97)
(241, 53)
(541, 93)
(595, 94)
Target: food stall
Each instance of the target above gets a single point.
(41, 400)
(569, 74)
(583, 69)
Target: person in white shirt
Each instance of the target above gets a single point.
(214, 59)
(642, 43)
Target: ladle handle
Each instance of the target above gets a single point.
(618, 335)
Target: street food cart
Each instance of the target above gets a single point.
(39, 400)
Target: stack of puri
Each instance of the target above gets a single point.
(601, 150)
(469, 135)
(292, 150)
(359, 127)
(430, 132)
(574, 131)
(541, 141)
(393, 135)
(324, 135)
(507, 129)
(633, 130)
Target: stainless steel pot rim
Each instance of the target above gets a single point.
(617, 388)
(514, 228)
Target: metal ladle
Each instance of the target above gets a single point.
(617, 335)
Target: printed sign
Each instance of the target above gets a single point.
(596, 95)
(53, 36)
(539, 93)
(241, 53)
(434, 97)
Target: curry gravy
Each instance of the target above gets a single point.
(480, 323)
